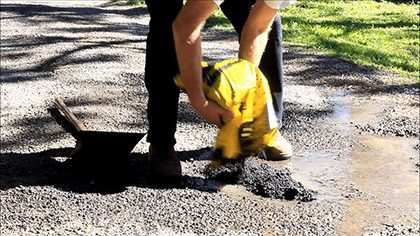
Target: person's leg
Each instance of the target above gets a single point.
(271, 65)
(237, 11)
(161, 67)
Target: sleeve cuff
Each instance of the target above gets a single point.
(278, 4)
(218, 2)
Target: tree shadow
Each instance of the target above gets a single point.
(70, 14)
(41, 69)
(43, 128)
(32, 42)
(349, 25)
(326, 71)
(79, 20)
(84, 19)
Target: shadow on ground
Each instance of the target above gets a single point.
(321, 70)
(85, 20)
(68, 14)
(42, 129)
(54, 167)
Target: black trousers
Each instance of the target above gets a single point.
(161, 64)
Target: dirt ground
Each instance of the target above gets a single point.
(354, 130)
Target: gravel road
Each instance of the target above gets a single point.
(354, 130)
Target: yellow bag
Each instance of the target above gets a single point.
(239, 86)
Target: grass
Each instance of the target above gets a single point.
(380, 34)
(133, 2)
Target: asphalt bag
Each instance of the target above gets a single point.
(238, 85)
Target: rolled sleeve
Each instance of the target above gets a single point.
(218, 2)
(278, 4)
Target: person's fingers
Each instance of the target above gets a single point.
(223, 115)
(214, 114)
(227, 114)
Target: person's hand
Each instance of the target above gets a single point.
(212, 112)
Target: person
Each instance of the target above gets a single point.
(251, 19)
(162, 107)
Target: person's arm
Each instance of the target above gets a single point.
(187, 35)
(255, 32)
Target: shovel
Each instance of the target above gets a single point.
(98, 148)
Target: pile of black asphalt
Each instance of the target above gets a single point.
(260, 179)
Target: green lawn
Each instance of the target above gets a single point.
(367, 32)
(134, 2)
(379, 34)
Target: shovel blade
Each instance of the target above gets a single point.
(98, 145)
(103, 156)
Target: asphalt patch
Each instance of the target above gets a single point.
(262, 180)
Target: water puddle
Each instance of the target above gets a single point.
(387, 178)
(377, 178)
(384, 172)
(320, 171)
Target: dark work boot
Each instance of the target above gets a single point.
(163, 162)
